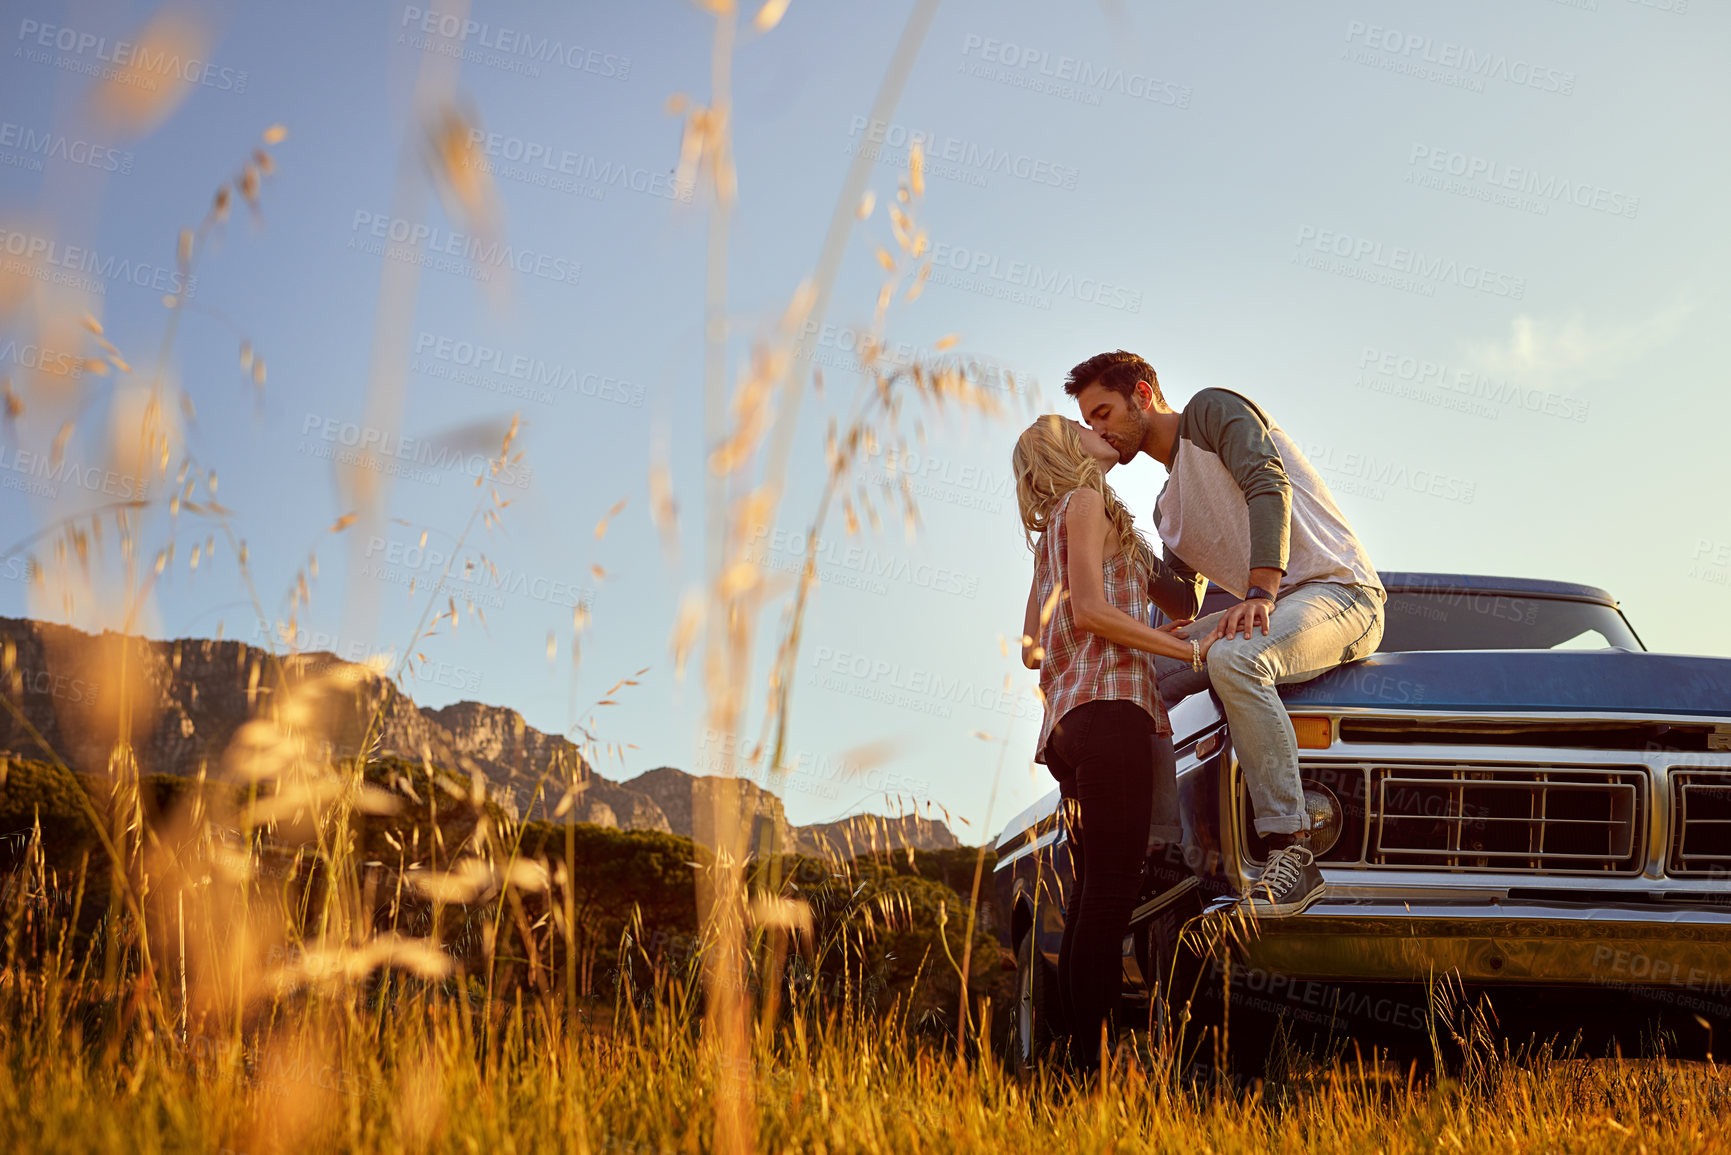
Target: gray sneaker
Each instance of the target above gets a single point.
(1289, 883)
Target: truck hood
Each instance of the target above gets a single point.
(1590, 681)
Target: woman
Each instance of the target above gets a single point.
(1104, 724)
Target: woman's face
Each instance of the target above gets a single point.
(1096, 447)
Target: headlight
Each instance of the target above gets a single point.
(1325, 816)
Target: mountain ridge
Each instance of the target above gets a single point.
(189, 698)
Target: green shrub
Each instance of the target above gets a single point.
(41, 790)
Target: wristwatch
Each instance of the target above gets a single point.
(1255, 592)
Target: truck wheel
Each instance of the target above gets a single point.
(1037, 1006)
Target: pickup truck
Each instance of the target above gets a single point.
(1511, 797)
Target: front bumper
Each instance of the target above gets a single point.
(1528, 943)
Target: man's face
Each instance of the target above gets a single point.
(1118, 419)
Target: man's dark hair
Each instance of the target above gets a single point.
(1118, 371)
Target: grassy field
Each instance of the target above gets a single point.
(304, 955)
(420, 1073)
(140, 1031)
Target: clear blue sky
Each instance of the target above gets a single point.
(1473, 256)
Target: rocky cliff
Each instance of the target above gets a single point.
(873, 833)
(181, 703)
(690, 804)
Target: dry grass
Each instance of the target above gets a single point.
(254, 984)
(415, 1066)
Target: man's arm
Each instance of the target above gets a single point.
(1238, 433)
(1235, 431)
(1176, 588)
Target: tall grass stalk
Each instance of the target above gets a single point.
(349, 951)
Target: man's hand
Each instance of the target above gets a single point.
(1245, 617)
(1248, 616)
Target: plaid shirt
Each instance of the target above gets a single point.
(1079, 666)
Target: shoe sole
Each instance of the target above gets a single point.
(1285, 909)
(1163, 899)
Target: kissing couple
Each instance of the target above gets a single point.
(1241, 507)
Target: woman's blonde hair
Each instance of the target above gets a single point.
(1049, 462)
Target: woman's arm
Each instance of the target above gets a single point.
(1032, 652)
(1085, 523)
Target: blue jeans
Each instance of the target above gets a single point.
(1312, 629)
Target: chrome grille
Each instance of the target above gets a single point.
(1537, 819)
(1551, 819)
(1701, 822)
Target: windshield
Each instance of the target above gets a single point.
(1471, 620)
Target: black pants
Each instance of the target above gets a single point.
(1102, 755)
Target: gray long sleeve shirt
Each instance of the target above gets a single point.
(1241, 495)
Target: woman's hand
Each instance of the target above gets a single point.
(1205, 642)
(1214, 635)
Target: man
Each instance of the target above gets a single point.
(1243, 507)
